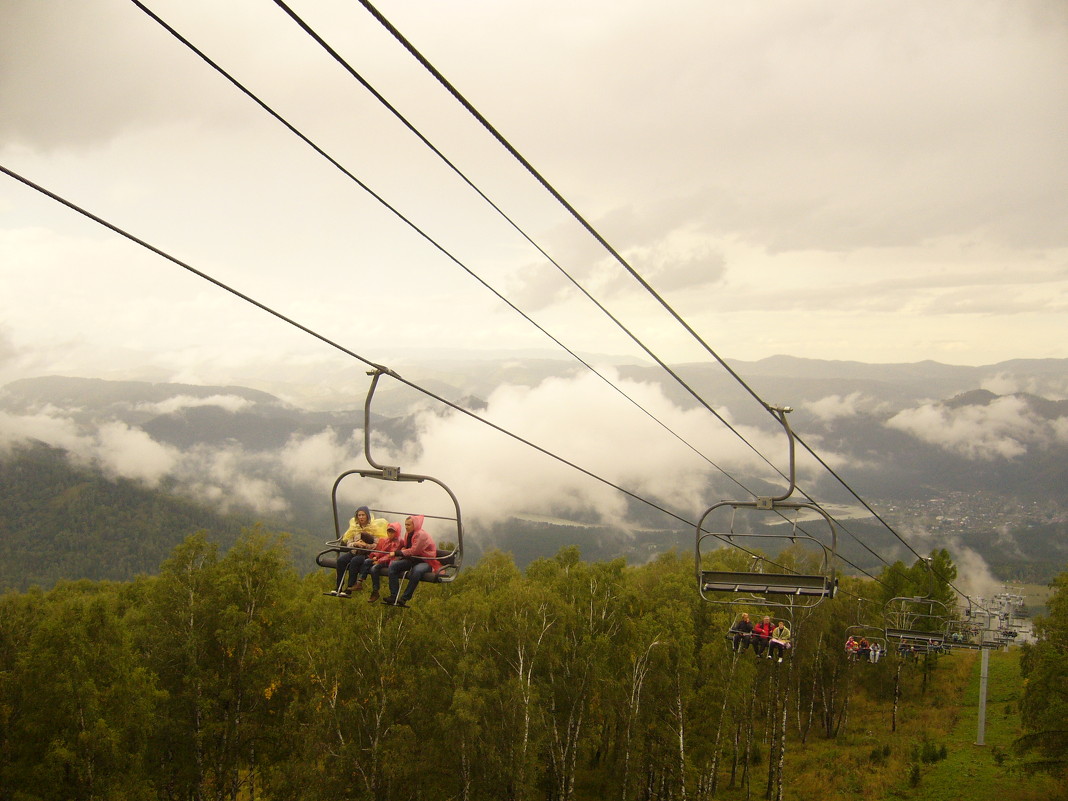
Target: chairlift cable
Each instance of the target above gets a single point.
(414, 130)
(435, 244)
(422, 138)
(615, 254)
(218, 68)
(252, 96)
(396, 212)
(337, 346)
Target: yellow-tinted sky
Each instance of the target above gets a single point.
(880, 182)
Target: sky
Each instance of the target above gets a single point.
(882, 182)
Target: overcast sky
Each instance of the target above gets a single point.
(877, 181)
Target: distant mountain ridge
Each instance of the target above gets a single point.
(907, 433)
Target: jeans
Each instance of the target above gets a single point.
(365, 568)
(376, 571)
(416, 569)
(350, 562)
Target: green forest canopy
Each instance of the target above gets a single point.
(231, 676)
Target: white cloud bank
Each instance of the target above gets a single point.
(1005, 428)
(226, 478)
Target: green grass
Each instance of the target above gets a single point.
(972, 771)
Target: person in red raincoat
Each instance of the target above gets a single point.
(418, 556)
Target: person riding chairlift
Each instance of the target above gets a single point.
(360, 540)
(417, 557)
(741, 633)
(762, 635)
(780, 640)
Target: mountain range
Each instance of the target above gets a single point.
(920, 444)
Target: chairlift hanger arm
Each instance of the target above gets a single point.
(375, 375)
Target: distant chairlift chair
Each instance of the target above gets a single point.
(755, 586)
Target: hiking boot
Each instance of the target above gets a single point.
(373, 598)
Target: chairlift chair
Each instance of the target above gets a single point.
(873, 634)
(917, 621)
(450, 558)
(760, 587)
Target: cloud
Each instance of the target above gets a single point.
(113, 447)
(227, 478)
(230, 403)
(231, 480)
(8, 351)
(130, 452)
(1003, 429)
(974, 577)
(586, 423)
(1005, 383)
(833, 407)
(317, 460)
(580, 418)
(45, 426)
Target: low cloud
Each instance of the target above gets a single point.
(586, 423)
(1052, 387)
(974, 577)
(130, 452)
(59, 432)
(1003, 429)
(834, 407)
(231, 480)
(595, 431)
(229, 403)
(227, 478)
(114, 448)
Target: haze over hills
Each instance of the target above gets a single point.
(916, 441)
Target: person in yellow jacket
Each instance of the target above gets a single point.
(359, 541)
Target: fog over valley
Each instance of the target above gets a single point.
(925, 446)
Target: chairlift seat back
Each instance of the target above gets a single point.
(915, 637)
(792, 584)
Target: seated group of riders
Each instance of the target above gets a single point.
(763, 636)
(373, 547)
(859, 649)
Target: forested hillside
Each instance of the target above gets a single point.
(231, 677)
(60, 521)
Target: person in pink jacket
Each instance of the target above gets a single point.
(378, 562)
(417, 556)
